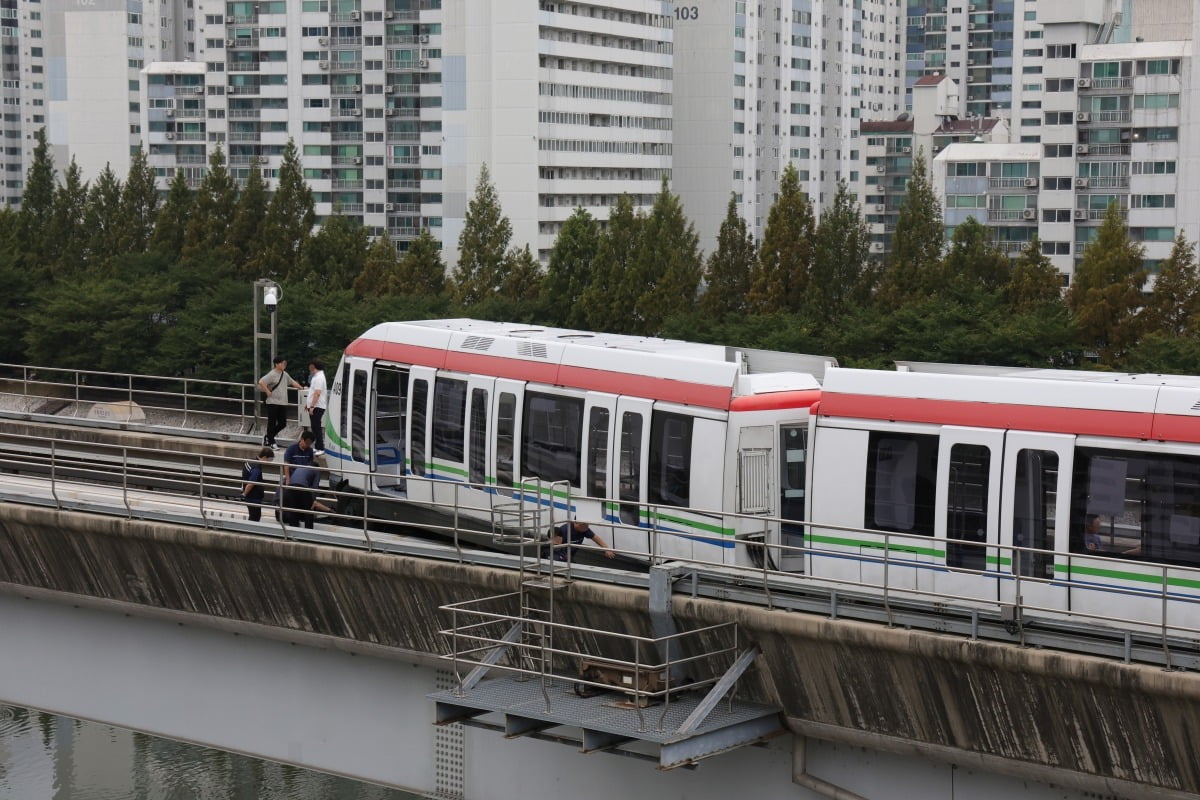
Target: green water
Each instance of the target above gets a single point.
(44, 757)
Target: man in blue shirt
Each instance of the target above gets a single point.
(572, 534)
(299, 454)
(253, 489)
(300, 497)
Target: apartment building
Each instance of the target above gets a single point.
(760, 85)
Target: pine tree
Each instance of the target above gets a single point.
(785, 255)
(570, 270)
(422, 271)
(1173, 308)
(245, 231)
(1034, 281)
(1106, 291)
(67, 243)
(139, 205)
(289, 222)
(37, 207)
(973, 262)
(215, 202)
(611, 297)
(522, 275)
(104, 220)
(914, 269)
(671, 268)
(727, 273)
(378, 277)
(171, 220)
(335, 255)
(843, 274)
(482, 245)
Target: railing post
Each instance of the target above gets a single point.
(125, 481)
(1166, 647)
(54, 475)
(887, 605)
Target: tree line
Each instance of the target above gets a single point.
(113, 275)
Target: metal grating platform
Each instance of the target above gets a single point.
(610, 720)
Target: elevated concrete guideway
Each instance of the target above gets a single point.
(1070, 720)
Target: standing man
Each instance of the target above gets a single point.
(318, 401)
(275, 386)
(253, 490)
(572, 535)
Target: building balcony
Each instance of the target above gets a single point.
(244, 136)
(1100, 150)
(404, 184)
(405, 208)
(250, 19)
(241, 66)
(241, 42)
(1092, 84)
(1012, 214)
(1104, 116)
(189, 136)
(346, 41)
(346, 136)
(243, 90)
(191, 159)
(243, 113)
(409, 65)
(1108, 182)
(346, 161)
(1030, 184)
(354, 88)
(340, 183)
(345, 66)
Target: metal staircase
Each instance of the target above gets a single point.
(520, 671)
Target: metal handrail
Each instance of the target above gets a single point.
(181, 474)
(86, 389)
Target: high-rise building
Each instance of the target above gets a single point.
(761, 85)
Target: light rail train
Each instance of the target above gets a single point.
(950, 471)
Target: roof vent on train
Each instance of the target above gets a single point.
(1196, 406)
(532, 349)
(478, 343)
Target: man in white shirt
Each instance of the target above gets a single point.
(318, 401)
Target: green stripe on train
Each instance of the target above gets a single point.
(843, 541)
(1123, 575)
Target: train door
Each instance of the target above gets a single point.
(968, 512)
(628, 483)
(506, 421)
(351, 410)
(793, 508)
(390, 403)
(420, 407)
(600, 435)
(448, 438)
(479, 400)
(1035, 511)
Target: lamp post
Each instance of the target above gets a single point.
(266, 293)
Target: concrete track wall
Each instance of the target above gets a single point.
(1073, 720)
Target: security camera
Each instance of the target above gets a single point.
(271, 298)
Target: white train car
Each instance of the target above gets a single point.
(1100, 471)
(647, 434)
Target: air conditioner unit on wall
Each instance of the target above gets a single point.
(355, 15)
(389, 206)
(389, 15)
(358, 88)
(358, 160)
(880, 208)
(905, 149)
(391, 112)
(356, 112)
(877, 246)
(389, 89)
(423, 63)
(324, 65)
(1084, 83)
(170, 112)
(170, 135)
(1081, 149)
(230, 42)
(1081, 183)
(1081, 213)
(423, 38)
(323, 41)
(880, 168)
(1031, 183)
(1030, 213)
(1082, 116)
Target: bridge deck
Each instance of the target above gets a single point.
(610, 720)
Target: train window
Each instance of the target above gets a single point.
(1137, 505)
(966, 506)
(670, 459)
(630, 467)
(597, 453)
(506, 417)
(479, 415)
(901, 480)
(449, 418)
(552, 431)
(420, 402)
(358, 410)
(1035, 500)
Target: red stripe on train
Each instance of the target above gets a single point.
(1012, 416)
(596, 380)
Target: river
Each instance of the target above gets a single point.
(44, 757)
